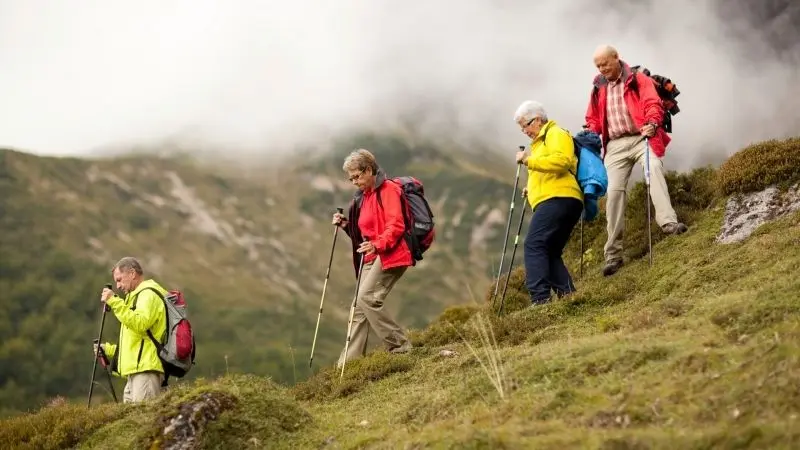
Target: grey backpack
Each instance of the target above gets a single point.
(178, 351)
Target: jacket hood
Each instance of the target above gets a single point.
(590, 140)
(380, 177)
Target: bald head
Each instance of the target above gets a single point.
(606, 59)
(605, 50)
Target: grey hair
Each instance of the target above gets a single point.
(360, 159)
(128, 263)
(529, 110)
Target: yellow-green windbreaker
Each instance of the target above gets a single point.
(552, 166)
(137, 353)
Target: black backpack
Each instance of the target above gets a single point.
(417, 215)
(666, 89)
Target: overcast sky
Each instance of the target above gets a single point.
(263, 76)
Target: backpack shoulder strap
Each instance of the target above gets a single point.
(158, 345)
(378, 191)
(635, 83)
(136, 298)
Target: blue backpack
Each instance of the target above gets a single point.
(592, 176)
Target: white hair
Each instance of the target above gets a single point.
(530, 109)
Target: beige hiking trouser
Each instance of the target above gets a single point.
(142, 386)
(376, 284)
(621, 155)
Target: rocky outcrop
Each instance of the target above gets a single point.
(745, 213)
(183, 429)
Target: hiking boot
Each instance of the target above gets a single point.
(674, 228)
(402, 349)
(544, 301)
(612, 267)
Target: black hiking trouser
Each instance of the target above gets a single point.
(548, 233)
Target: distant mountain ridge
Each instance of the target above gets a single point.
(250, 252)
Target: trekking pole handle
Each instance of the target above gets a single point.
(340, 210)
(522, 149)
(105, 306)
(101, 354)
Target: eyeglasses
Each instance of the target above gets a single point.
(355, 177)
(527, 124)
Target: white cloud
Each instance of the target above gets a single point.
(262, 76)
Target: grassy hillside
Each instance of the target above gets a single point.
(702, 350)
(248, 247)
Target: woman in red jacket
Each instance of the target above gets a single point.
(376, 229)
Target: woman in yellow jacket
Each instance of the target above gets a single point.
(555, 198)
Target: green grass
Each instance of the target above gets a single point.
(252, 298)
(700, 351)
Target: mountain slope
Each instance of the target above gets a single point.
(248, 247)
(701, 350)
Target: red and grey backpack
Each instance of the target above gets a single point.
(178, 351)
(417, 215)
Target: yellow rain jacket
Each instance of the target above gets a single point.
(552, 166)
(137, 353)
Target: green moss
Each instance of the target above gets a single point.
(327, 384)
(55, 427)
(760, 165)
(237, 411)
(445, 328)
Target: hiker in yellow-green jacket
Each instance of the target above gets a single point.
(136, 357)
(555, 198)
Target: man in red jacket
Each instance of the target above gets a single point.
(624, 108)
(376, 229)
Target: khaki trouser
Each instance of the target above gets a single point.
(142, 386)
(621, 155)
(376, 284)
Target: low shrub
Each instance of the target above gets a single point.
(760, 165)
(68, 425)
(690, 194)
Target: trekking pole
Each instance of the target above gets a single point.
(101, 354)
(324, 288)
(647, 199)
(511, 262)
(104, 361)
(580, 274)
(352, 313)
(508, 228)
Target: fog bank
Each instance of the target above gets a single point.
(261, 77)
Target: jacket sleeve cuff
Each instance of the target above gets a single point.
(379, 245)
(114, 302)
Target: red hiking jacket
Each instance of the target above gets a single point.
(646, 107)
(381, 222)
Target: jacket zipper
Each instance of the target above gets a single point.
(139, 357)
